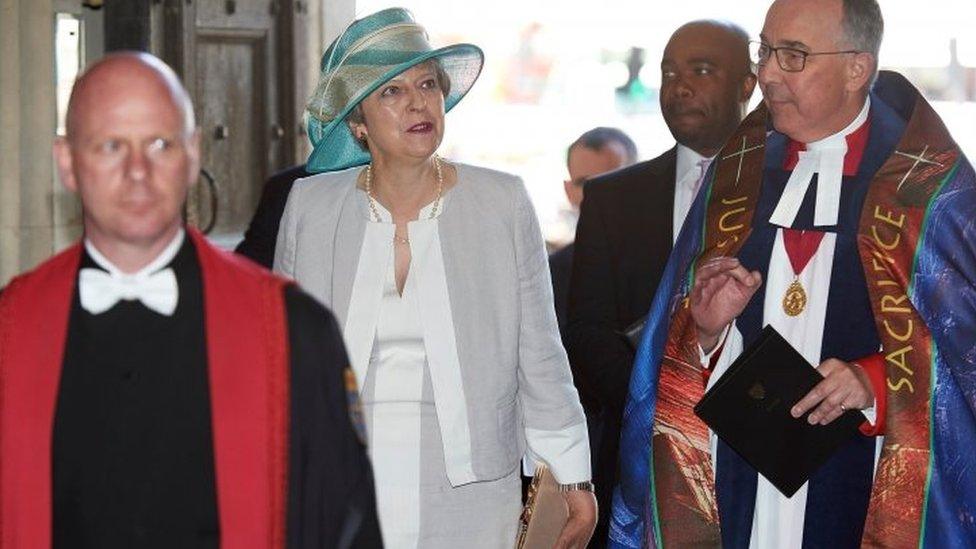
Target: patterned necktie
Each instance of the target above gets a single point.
(703, 165)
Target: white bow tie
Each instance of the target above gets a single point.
(99, 291)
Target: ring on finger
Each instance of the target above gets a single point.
(843, 408)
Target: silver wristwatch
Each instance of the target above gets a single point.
(585, 486)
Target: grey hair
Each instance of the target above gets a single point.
(864, 26)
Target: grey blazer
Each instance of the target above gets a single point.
(504, 372)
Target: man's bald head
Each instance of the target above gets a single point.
(706, 83)
(131, 153)
(125, 70)
(723, 34)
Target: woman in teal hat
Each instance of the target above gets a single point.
(438, 275)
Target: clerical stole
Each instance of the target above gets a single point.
(915, 242)
(248, 376)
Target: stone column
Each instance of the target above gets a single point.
(29, 232)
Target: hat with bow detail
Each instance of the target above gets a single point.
(370, 52)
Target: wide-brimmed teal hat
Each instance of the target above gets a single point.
(370, 52)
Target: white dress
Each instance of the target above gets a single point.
(417, 505)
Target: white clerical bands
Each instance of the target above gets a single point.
(99, 291)
(825, 159)
(828, 164)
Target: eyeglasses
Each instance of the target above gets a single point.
(789, 59)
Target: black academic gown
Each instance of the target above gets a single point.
(133, 461)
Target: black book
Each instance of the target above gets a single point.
(749, 409)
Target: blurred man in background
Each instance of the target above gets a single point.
(595, 152)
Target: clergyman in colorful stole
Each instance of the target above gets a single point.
(916, 242)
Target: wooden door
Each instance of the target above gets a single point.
(237, 67)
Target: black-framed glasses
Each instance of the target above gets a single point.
(789, 59)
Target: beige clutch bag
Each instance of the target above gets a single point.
(545, 513)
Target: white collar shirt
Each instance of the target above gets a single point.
(690, 168)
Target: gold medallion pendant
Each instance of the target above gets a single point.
(795, 298)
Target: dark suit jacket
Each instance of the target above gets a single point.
(262, 234)
(560, 265)
(623, 240)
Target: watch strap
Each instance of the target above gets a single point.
(586, 486)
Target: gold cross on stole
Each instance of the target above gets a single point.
(919, 159)
(741, 153)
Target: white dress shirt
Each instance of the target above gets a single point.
(689, 172)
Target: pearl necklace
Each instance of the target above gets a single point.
(397, 239)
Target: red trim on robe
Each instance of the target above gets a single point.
(874, 367)
(716, 353)
(34, 312)
(857, 141)
(249, 381)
